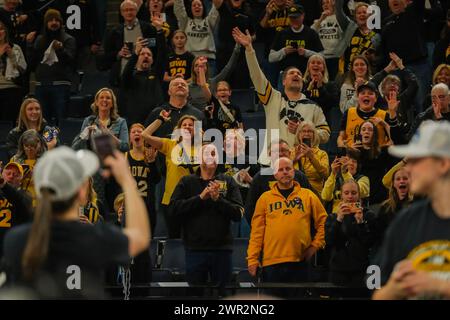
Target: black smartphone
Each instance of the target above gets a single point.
(294, 45)
(358, 138)
(103, 145)
(341, 152)
(129, 45)
(307, 141)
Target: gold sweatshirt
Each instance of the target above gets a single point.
(281, 227)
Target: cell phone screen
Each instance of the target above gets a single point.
(307, 141)
(103, 146)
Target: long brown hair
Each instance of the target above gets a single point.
(194, 74)
(114, 113)
(350, 76)
(22, 121)
(36, 249)
(393, 200)
(180, 122)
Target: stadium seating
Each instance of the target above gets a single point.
(5, 127)
(69, 128)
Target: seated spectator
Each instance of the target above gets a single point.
(391, 85)
(31, 147)
(439, 110)
(309, 158)
(264, 179)
(318, 87)
(181, 158)
(30, 117)
(179, 61)
(358, 39)
(199, 27)
(342, 169)
(234, 13)
(201, 90)
(330, 34)
(222, 114)
(141, 89)
(15, 204)
(21, 24)
(440, 75)
(296, 43)
(350, 233)
(441, 53)
(52, 58)
(355, 116)
(32, 256)
(120, 42)
(284, 110)
(358, 74)
(374, 159)
(12, 71)
(282, 229)
(205, 204)
(144, 170)
(93, 210)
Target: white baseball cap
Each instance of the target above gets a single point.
(64, 170)
(432, 139)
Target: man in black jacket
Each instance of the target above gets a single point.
(52, 58)
(15, 205)
(205, 203)
(121, 41)
(264, 179)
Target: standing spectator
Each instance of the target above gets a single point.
(319, 87)
(31, 147)
(120, 42)
(330, 34)
(32, 255)
(52, 57)
(141, 89)
(342, 169)
(30, 117)
(439, 110)
(350, 233)
(15, 204)
(358, 74)
(281, 229)
(179, 61)
(181, 158)
(358, 39)
(205, 203)
(441, 53)
(264, 179)
(199, 28)
(309, 158)
(12, 71)
(284, 111)
(295, 44)
(202, 84)
(403, 34)
(391, 86)
(234, 13)
(413, 254)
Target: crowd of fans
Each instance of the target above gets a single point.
(338, 92)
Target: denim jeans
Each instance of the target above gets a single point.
(53, 99)
(213, 265)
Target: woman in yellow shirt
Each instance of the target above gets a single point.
(181, 158)
(309, 158)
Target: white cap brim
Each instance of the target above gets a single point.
(410, 151)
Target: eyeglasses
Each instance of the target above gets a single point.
(440, 97)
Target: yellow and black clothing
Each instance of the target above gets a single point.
(179, 163)
(354, 117)
(27, 181)
(327, 96)
(281, 227)
(94, 211)
(147, 175)
(180, 64)
(221, 119)
(277, 21)
(315, 178)
(15, 209)
(359, 44)
(332, 188)
(417, 234)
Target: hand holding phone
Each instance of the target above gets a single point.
(104, 146)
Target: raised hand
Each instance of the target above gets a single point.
(392, 103)
(157, 21)
(244, 40)
(437, 110)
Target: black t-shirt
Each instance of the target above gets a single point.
(307, 39)
(90, 247)
(418, 234)
(285, 192)
(180, 64)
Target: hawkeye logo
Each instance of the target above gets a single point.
(287, 205)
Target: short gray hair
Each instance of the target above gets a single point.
(442, 86)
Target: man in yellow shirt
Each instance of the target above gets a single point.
(281, 227)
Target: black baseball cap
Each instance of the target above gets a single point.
(368, 85)
(296, 11)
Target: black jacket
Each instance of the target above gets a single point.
(427, 115)
(206, 223)
(262, 183)
(114, 43)
(350, 242)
